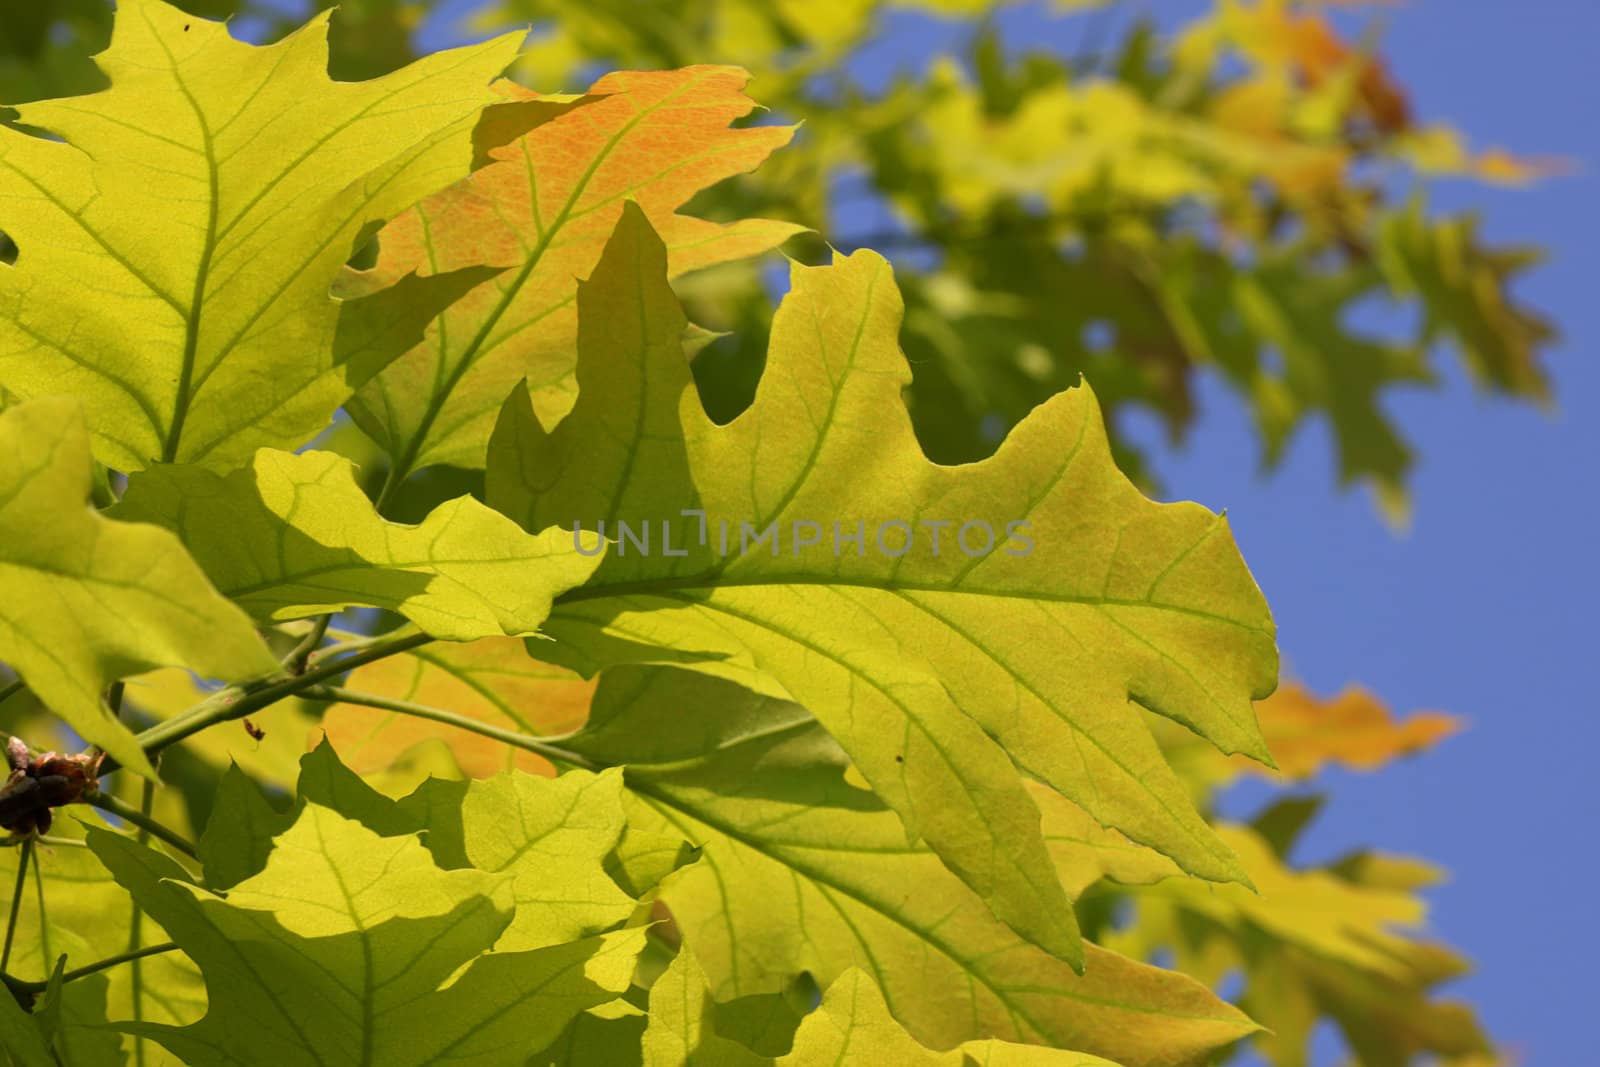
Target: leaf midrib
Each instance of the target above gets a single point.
(709, 583)
(191, 315)
(660, 800)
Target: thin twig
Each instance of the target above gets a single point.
(295, 662)
(351, 642)
(233, 704)
(16, 901)
(450, 718)
(147, 800)
(44, 839)
(96, 967)
(130, 814)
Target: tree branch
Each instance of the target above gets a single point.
(461, 722)
(295, 662)
(130, 814)
(236, 703)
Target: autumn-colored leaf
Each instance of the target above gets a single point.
(1307, 733)
(1352, 729)
(542, 211)
(493, 680)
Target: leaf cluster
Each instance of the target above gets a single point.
(462, 676)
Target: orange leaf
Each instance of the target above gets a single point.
(541, 211)
(1353, 729)
(1498, 165)
(493, 680)
(1306, 733)
(1318, 53)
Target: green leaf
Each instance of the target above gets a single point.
(1466, 289)
(238, 836)
(72, 907)
(20, 1038)
(293, 535)
(89, 600)
(935, 669)
(181, 237)
(343, 948)
(553, 837)
(1313, 943)
(853, 1020)
(606, 1036)
(803, 870)
(541, 212)
(681, 1029)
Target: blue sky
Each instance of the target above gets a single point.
(1486, 607)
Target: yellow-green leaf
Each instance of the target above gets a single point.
(1337, 942)
(551, 836)
(182, 232)
(941, 669)
(293, 535)
(802, 871)
(72, 906)
(346, 948)
(853, 1021)
(681, 1028)
(88, 600)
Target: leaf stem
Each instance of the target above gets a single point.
(11, 689)
(16, 901)
(147, 800)
(397, 474)
(236, 704)
(295, 662)
(352, 643)
(450, 718)
(46, 839)
(96, 967)
(128, 813)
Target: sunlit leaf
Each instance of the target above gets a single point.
(88, 600)
(293, 535)
(936, 667)
(183, 233)
(853, 1020)
(344, 947)
(1339, 942)
(801, 870)
(493, 680)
